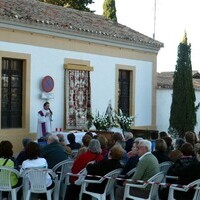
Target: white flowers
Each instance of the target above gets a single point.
(103, 122)
(124, 121)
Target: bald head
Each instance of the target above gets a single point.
(52, 139)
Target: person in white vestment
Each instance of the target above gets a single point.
(44, 121)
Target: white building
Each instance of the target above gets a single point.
(164, 99)
(39, 40)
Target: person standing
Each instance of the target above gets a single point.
(44, 120)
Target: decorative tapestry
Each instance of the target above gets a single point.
(78, 98)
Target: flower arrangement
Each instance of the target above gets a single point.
(101, 122)
(124, 121)
(110, 119)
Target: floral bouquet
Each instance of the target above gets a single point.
(124, 121)
(101, 122)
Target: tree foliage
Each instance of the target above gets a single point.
(75, 4)
(109, 10)
(183, 110)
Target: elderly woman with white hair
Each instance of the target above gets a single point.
(93, 153)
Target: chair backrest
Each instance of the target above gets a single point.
(157, 178)
(62, 168)
(196, 185)
(81, 177)
(5, 177)
(131, 172)
(112, 180)
(165, 166)
(74, 153)
(38, 178)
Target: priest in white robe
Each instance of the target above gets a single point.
(44, 121)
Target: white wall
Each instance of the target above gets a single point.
(48, 61)
(164, 99)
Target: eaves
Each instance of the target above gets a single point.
(85, 37)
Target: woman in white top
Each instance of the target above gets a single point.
(34, 161)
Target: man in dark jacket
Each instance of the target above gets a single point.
(53, 152)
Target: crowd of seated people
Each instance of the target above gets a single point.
(99, 156)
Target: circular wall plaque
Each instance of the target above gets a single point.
(47, 83)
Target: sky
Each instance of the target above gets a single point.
(173, 18)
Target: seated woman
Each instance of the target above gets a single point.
(34, 161)
(168, 141)
(190, 137)
(6, 160)
(104, 142)
(93, 153)
(85, 140)
(132, 161)
(185, 160)
(161, 151)
(22, 155)
(187, 175)
(103, 167)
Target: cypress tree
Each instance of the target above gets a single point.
(109, 10)
(183, 110)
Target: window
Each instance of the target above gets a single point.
(124, 91)
(78, 103)
(11, 93)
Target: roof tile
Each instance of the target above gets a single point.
(165, 80)
(66, 19)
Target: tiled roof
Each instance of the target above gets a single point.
(165, 80)
(43, 15)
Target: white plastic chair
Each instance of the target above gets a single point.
(164, 166)
(82, 174)
(128, 174)
(195, 184)
(153, 194)
(5, 181)
(74, 153)
(35, 178)
(61, 169)
(131, 172)
(109, 188)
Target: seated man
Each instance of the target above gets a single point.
(72, 141)
(53, 152)
(147, 167)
